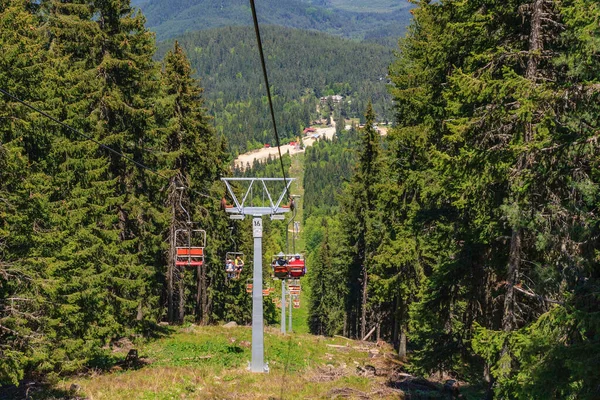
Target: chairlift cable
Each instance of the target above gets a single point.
(102, 145)
(264, 69)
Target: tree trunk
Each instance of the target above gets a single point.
(181, 285)
(402, 344)
(363, 306)
(198, 294)
(401, 328)
(170, 293)
(509, 318)
(170, 268)
(536, 45)
(489, 379)
(536, 42)
(396, 323)
(204, 295)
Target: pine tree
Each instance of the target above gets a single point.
(25, 138)
(99, 240)
(192, 151)
(358, 216)
(487, 193)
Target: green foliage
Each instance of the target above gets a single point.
(302, 66)
(327, 164)
(82, 232)
(474, 224)
(556, 356)
(354, 19)
(326, 279)
(481, 184)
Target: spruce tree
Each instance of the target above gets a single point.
(492, 166)
(358, 215)
(194, 155)
(25, 140)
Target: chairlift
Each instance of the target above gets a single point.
(237, 264)
(297, 266)
(280, 266)
(234, 260)
(294, 289)
(189, 243)
(250, 287)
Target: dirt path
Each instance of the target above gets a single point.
(264, 153)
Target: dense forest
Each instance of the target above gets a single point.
(303, 66)
(379, 20)
(468, 236)
(87, 238)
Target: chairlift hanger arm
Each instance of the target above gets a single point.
(189, 219)
(241, 208)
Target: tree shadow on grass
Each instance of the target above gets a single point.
(31, 390)
(102, 362)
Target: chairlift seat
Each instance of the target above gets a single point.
(297, 269)
(294, 289)
(280, 271)
(190, 256)
(190, 247)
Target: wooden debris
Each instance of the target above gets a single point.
(337, 346)
(368, 335)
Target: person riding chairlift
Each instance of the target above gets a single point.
(281, 261)
(230, 268)
(239, 264)
(297, 266)
(280, 266)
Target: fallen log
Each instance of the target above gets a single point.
(369, 334)
(337, 346)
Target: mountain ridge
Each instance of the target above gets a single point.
(357, 20)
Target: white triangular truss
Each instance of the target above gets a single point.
(270, 205)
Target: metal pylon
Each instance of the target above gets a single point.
(270, 205)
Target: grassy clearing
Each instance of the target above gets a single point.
(210, 362)
(300, 315)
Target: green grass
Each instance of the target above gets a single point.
(210, 362)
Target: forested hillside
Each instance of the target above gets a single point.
(351, 19)
(303, 66)
(468, 236)
(87, 237)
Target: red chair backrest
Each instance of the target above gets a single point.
(190, 251)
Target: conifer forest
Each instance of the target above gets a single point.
(465, 235)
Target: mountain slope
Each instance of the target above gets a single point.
(302, 67)
(169, 18)
(226, 59)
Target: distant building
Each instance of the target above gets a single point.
(309, 130)
(335, 98)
